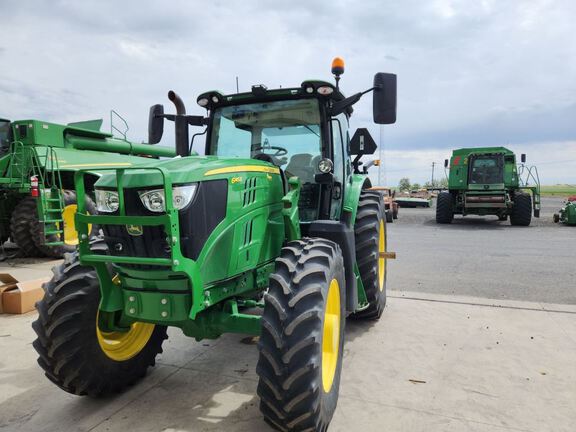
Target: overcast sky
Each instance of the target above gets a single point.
(470, 73)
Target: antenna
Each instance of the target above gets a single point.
(237, 88)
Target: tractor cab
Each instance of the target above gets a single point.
(302, 131)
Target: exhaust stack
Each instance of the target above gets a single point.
(180, 125)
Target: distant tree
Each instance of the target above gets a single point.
(415, 186)
(438, 184)
(404, 184)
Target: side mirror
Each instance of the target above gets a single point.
(362, 143)
(445, 163)
(155, 124)
(384, 98)
(523, 157)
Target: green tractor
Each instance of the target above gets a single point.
(487, 181)
(272, 233)
(567, 214)
(37, 165)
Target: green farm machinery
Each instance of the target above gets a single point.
(567, 214)
(272, 233)
(38, 161)
(488, 181)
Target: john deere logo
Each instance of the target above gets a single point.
(135, 230)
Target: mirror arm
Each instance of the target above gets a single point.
(191, 119)
(341, 106)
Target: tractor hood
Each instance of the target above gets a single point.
(185, 170)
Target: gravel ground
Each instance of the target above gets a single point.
(482, 257)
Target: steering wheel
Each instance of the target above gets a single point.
(280, 151)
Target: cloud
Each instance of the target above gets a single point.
(469, 73)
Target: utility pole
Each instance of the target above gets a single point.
(432, 180)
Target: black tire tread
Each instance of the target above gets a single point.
(66, 335)
(444, 208)
(521, 214)
(366, 231)
(23, 219)
(290, 344)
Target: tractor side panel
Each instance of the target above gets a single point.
(252, 232)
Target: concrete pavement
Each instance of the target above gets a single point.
(432, 363)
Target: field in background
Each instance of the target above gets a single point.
(559, 190)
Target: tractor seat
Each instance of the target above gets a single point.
(300, 166)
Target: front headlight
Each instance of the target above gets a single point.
(155, 201)
(107, 201)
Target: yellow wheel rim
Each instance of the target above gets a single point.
(331, 336)
(381, 259)
(120, 346)
(70, 233)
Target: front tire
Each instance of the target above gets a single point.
(521, 214)
(74, 353)
(302, 341)
(370, 236)
(444, 208)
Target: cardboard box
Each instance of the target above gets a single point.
(19, 297)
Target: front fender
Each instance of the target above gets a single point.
(352, 193)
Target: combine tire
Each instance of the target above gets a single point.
(302, 341)
(73, 352)
(24, 218)
(444, 208)
(370, 236)
(70, 233)
(521, 214)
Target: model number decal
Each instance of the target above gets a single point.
(234, 180)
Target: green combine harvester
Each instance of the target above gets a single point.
(567, 214)
(38, 161)
(272, 233)
(487, 181)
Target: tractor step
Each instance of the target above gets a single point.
(46, 221)
(60, 243)
(51, 232)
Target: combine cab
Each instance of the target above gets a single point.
(487, 181)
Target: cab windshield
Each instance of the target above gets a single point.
(487, 169)
(285, 133)
(4, 137)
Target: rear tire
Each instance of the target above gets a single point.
(24, 219)
(70, 233)
(444, 208)
(521, 214)
(67, 344)
(302, 341)
(368, 227)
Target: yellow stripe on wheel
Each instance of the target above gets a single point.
(122, 346)
(331, 336)
(381, 260)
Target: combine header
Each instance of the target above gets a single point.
(37, 165)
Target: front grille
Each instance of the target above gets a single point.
(197, 221)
